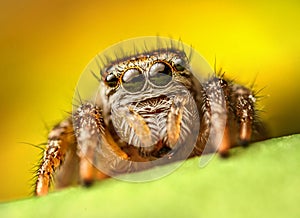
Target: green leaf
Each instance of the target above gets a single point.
(262, 180)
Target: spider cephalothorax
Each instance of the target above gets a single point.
(152, 107)
(149, 101)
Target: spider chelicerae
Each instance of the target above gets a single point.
(155, 102)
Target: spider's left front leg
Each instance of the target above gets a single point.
(228, 116)
(241, 117)
(93, 140)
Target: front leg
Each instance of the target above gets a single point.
(60, 141)
(214, 133)
(93, 141)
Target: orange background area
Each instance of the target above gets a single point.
(45, 46)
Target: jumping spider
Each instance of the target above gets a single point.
(151, 106)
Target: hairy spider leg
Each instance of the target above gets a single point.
(243, 104)
(228, 105)
(92, 138)
(214, 132)
(60, 139)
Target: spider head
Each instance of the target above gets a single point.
(150, 102)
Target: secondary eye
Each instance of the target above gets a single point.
(133, 80)
(160, 74)
(179, 64)
(111, 80)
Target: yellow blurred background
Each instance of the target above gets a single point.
(45, 46)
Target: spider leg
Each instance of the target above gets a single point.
(67, 173)
(60, 140)
(243, 107)
(214, 133)
(229, 107)
(92, 139)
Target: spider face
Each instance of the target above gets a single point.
(150, 103)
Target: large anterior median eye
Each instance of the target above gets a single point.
(133, 80)
(160, 74)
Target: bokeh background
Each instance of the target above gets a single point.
(45, 46)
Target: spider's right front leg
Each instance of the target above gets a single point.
(58, 151)
(93, 140)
